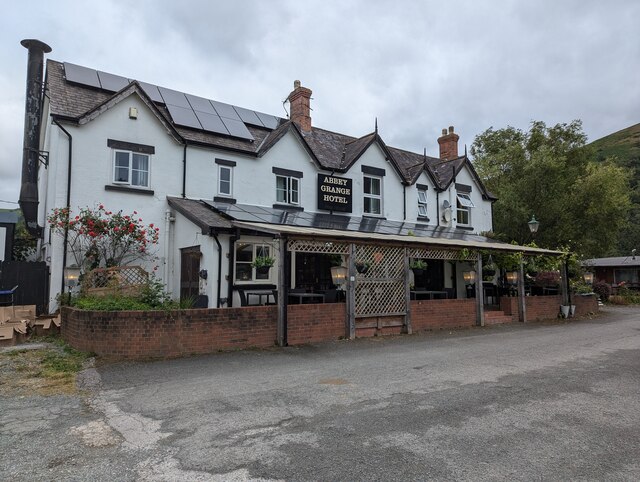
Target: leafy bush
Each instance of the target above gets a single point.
(418, 264)
(602, 289)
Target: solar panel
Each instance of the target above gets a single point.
(248, 116)
(184, 116)
(237, 128)
(225, 110)
(269, 121)
(112, 82)
(200, 104)
(152, 91)
(81, 75)
(174, 97)
(211, 123)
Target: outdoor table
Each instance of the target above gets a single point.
(259, 294)
(428, 294)
(307, 296)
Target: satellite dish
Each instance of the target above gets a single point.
(446, 214)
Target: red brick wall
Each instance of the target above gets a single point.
(543, 307)
(144, 334)
(314, 323)
(585, 304)
(442, 314)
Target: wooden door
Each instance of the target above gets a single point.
(190, 272)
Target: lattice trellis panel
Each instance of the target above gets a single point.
(380, 282)
(116, 276)
(318, 247)
(442, 254)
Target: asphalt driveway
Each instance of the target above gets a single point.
(539, 401)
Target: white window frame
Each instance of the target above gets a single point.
(464, 206)
(220, 193)
(130, 169)
(366, 195)
(290, 181)
(256, 246)
(422, 203)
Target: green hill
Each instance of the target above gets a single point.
(624, 146)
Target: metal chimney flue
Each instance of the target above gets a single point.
(31, 143)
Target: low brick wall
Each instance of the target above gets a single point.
(442, 314)
(585, 304)
(144, 334)
(315, 323)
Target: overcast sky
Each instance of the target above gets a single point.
(417, 66)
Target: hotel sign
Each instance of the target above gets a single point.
(335, 193)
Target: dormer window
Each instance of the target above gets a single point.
(422, 201)
(464, 209)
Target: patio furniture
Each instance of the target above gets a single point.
(428, 294)
(260, 294)
(300, 297)
(10, 298)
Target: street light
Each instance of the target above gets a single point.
(588, 278)
(534, 225)
(71, 277)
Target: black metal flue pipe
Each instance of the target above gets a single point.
(31, 145)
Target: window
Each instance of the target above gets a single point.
(246, 253)
(372, 195)
(131, 168)
(422, 203)
(225, 180)
(464, 209)
(287, 190)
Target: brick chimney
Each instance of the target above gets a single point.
(300, 102)
(448, 144)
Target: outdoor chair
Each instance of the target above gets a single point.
(243, 298)
(7, 298)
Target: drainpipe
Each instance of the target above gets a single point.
(438, 206)
(232, 257)
(215, 236)
(66, 229)
(184, 171)
(167, 238)
(404, 202)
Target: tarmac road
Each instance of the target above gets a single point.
(517, 402)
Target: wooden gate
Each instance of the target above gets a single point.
(32, 279)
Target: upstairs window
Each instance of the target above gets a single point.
(422, 203)
(464, 209)
(131, 168)
(372, 195)
(225, 180)
(287, 190)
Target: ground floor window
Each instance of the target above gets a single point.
(245, 257)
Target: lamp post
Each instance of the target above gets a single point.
(588, 278)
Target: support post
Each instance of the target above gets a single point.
(479, 292)
(351, 294)
(407, 292)
(564, 283)
(283, 285)
(522, 302)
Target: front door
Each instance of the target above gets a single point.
(189, 272)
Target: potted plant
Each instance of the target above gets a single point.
(418, 266)
(262, 264)
(362, 266)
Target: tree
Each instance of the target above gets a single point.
(101, 238)
(550, 173)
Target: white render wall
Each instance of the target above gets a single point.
(253, 183)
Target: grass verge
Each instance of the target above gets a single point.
(50, 370)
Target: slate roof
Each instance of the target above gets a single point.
(199, 213)
(331, 150)
(620, 261)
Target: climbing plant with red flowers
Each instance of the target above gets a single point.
(100, 238)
